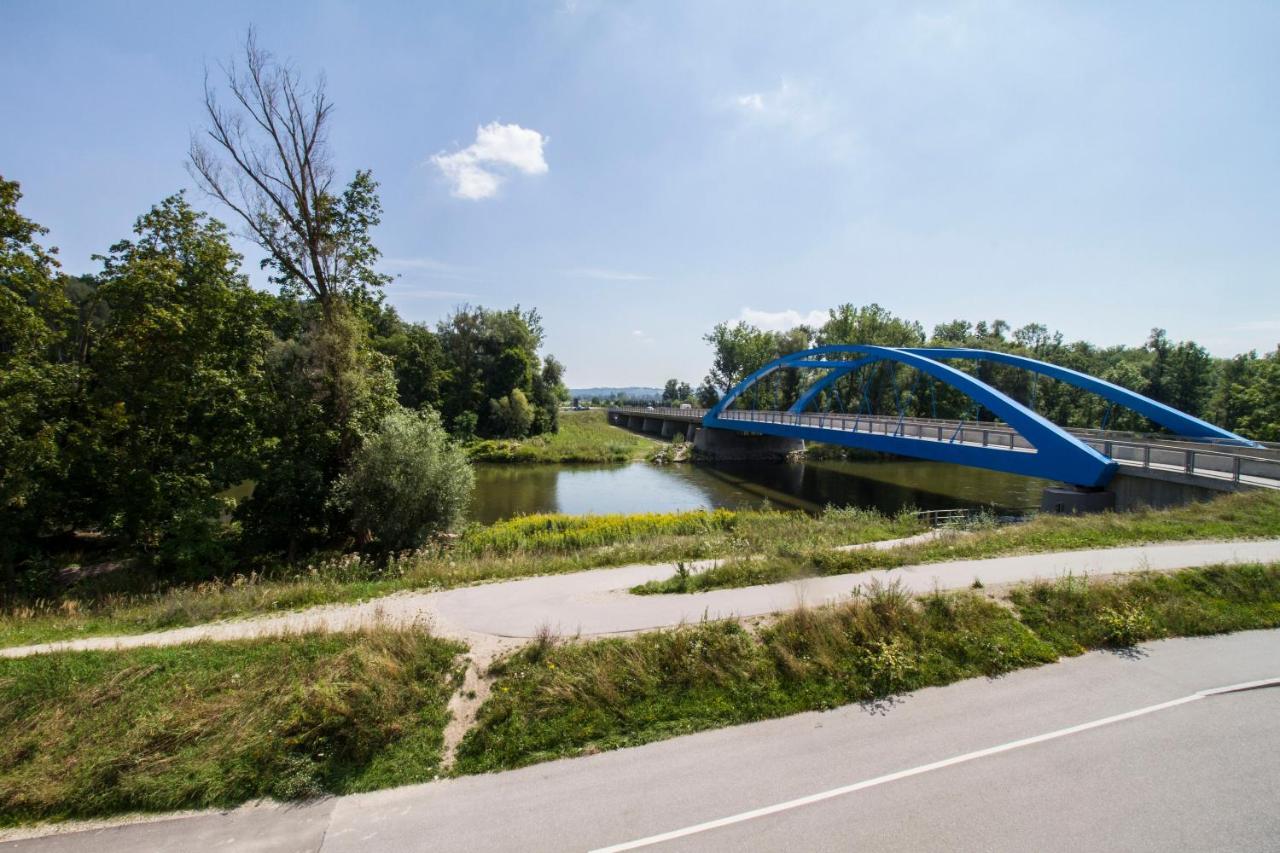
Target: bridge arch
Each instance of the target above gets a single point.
(1057, 455)
(1179, 423)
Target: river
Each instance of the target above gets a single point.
(503, 491)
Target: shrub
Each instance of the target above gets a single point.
(408, 481)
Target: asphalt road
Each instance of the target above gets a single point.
(1187, 772)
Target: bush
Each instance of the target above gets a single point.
(407, 481)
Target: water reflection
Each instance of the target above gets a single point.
(503, 491)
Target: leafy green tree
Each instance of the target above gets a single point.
(35, 385)
(329, 392)
(407, 482)
(490, 354)
(549, 393)
(671, 392)
(511, 416)
(1260, 399)
(178, 377)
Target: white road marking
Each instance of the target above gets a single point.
(926, 768)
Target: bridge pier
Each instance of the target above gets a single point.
(651, 425)
(635, 422)
(726, 445)
(1125, 492)
(669, 429)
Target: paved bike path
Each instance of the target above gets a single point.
(597, 602)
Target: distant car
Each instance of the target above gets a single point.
(685, 406)
(648, 408)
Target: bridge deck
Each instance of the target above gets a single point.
(1214, 465)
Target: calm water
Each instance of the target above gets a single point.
(503, 491)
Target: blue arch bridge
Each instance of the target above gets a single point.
(1097, 468)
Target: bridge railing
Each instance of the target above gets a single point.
(1216, 462)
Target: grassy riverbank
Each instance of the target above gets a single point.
(555, 699)
(97, 733)
(519, 547)
(756, 547)
(1250, 515)
(583, 437)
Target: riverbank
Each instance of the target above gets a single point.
(583, 437)
(1246, 515)
(518, 547)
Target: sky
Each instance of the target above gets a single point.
(640, 171)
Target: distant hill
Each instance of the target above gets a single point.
(630, 393)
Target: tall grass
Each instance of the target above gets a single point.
(520, 547)
(1247, 515)
(574, 697)
(96, 733)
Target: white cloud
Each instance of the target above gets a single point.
(478, 170)
(606, 275)
(780, 321)
(640, 336)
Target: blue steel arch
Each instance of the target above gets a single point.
(1179, 423)
(1058, 454)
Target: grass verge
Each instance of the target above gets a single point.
(97, 733)
(554, 699)
(519, 547)
(582, 437)
(1247, 515)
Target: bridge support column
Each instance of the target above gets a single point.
(635, 422)
(1134, 492)
(1068, 500)
(669, 429)
(652, 425)
(726, 445)
(691, 433)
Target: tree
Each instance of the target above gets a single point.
(35, 384)
(489, 355)
(329, 391)
(671, 392)
(511, 415)
(1261, 399)
(269, 162)
(178, 380)
(407, 482)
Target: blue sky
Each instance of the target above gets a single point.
(640, 171)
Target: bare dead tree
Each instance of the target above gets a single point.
(266, 157)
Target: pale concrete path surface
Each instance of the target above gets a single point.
(597, 602)
(1188, 775)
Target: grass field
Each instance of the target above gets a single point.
(554, 699)
(1246, 515)
(583, 437)
(96, 733)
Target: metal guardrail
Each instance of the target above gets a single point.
(1217, 462)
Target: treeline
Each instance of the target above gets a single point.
(133, 399)
(1241, 394)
